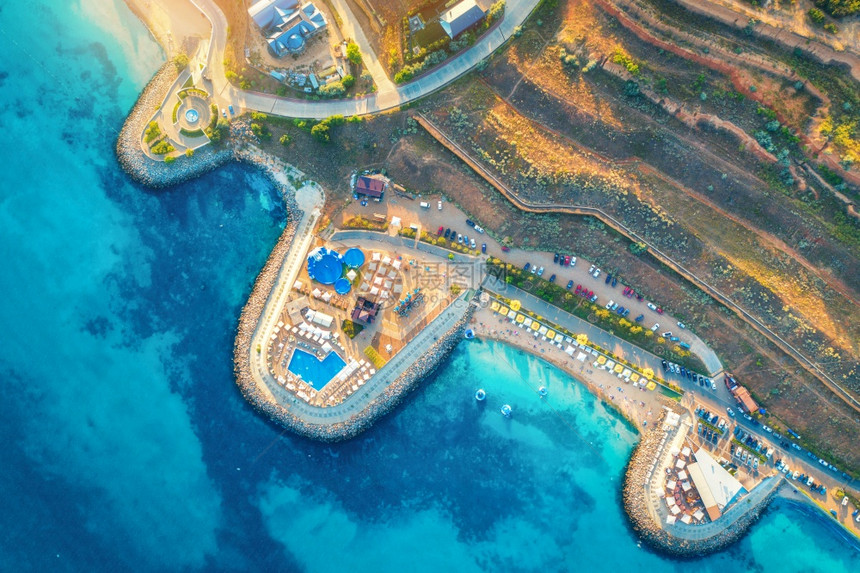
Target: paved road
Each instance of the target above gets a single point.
(225, 93)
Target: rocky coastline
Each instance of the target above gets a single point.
(133, 160)
(636, 505)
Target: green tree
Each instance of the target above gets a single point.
(353, 53)
(189, 152)
(348, 81)
(285, 140)
(169, 159)
(321, 132)
(180, 61)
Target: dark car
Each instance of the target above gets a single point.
(484, 248)
(470, 222)
(552, 279)
(569, 284)
(639, 296)
(555, 258)
(608, 278)
(447, 233)
(614, 281)
(527, 267)
(640, 318)
(665, 365)
(620, 310)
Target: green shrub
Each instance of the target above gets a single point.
(169, 159)
(321, 132)
(285, 140)
(350, 328)
(348, 81)
(152, 131)
(162, 148)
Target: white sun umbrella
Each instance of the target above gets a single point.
(375, 256)
(351, 274)
(396, 264)
(386, 260)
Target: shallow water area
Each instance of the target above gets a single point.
(126, 443)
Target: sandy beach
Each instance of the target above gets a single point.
(171, 22)
(637, 405)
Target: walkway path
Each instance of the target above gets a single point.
(225, 93)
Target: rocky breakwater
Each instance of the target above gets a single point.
(129, 148)
(386, 401)
(696, 543)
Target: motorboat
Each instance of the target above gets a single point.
(507, 411)
(480, 395)
(469, 334)
(542, 391)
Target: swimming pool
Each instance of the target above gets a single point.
(316, 372)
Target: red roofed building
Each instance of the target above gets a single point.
(372, 186)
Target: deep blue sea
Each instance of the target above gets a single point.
(125, 443)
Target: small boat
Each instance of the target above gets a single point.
(542, 391)
(469, 334)
(506, 411)
(480, 395)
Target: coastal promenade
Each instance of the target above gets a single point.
(629, 351)
(388, 97)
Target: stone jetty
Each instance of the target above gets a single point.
(130, 153)
(720, 534)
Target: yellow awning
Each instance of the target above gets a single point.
(550, 334)
(618, 368)
(651, 385)
(634, 377)
(535, 325)
(520, 318)
(601, 360)
(494, 305)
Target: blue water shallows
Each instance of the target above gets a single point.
(314, 371)
(126, 445)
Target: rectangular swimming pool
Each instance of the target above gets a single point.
(315, 372)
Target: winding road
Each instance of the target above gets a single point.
(388, 97)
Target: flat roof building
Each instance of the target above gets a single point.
(717, 487)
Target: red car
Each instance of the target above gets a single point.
(440, 231)
(505, 249)
(567, 260)
(659, 310)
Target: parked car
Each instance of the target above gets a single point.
(232, 111)
(608, 278)
(667, 334)
(470, 222)
(527, 267)
(596, 273)
(459, 238)
(730, 412)
(609, 304)
(540, 272)
(569, 284)
(447, 233)
(665, 364)
(659, 310)
(479, 229)
(655, 327)
(593, 298)
(614, 281)
(572, 261)
(473, 244)
(505, 249)
(484, 248)
(552, 278)
(440, 231)
(640, 318)
(681, 325)
(566, 260)
(439, 205)
(652, 306)
(555, 258)
(591, 269)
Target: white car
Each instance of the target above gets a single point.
(573, 261)
(655, 327)
(766, 429)
(609, 304)
(591, 269)
(682, 326)
(651, 306)
(597, 273)
(439, 204)
(479, 229)
(730, 412)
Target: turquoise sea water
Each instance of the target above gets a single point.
(125, 444)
